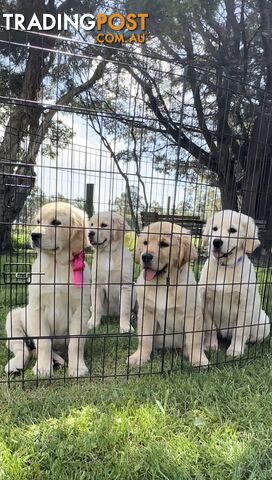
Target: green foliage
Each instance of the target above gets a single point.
(58, 137)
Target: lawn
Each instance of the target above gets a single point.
(188, 424)
(212, 425)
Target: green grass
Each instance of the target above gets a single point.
(213, 425)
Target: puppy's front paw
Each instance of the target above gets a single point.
(126, 328)
(42, 371)
(138, 358)
(211, 343)
(14, 366)
(235, 351)
(80, 370)
(93, 322)
(201, 361)
(58, 360)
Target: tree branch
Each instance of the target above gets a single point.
(180, 138)
(135, 155)
(266, 32)
(191, 76)
(106, 143)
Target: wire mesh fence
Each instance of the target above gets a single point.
(113, 144)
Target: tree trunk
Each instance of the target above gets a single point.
(5, 239)
(226, 178)
(256, 190)
(228, 197)
(15, 188)
(12, 199)
(17, 176)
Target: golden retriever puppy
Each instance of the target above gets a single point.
(58, 303)
(227, 287)
(112, 291)
(169, 315)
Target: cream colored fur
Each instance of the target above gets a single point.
(168, 311)
(228, 290)
(55, 306)
(112, 291)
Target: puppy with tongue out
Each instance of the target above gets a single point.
(169, 315)
(151, 273)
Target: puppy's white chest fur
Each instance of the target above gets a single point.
(112, 270)
(220, 278)
(52, 288)
(170, 303)
(228, 290)
(112, 266)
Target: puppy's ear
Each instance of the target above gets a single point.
(119, 227)
(251, 234)
(207, 232)
(79, 234)
(187, 251)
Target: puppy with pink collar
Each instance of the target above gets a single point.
(59, 296)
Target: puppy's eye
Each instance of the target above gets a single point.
(163, 244)
(91, 224)
(215, 229)
(55, 222)
(232, 230)
(145, 242)
(104, 225)
(38, 222)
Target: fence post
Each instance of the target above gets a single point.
(89, 199)
(168, 205)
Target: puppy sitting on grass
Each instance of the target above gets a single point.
(228, 287)
(112, 291)
(169, 315)
(59, 299)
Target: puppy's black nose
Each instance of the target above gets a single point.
(91, 235)
(217, 243)
(147, 257)
(36, 236)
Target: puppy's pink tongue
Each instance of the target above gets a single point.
(149, 274)
(217, 254)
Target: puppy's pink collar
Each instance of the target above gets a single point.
(78, 266)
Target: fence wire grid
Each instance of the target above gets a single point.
(124, 251)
